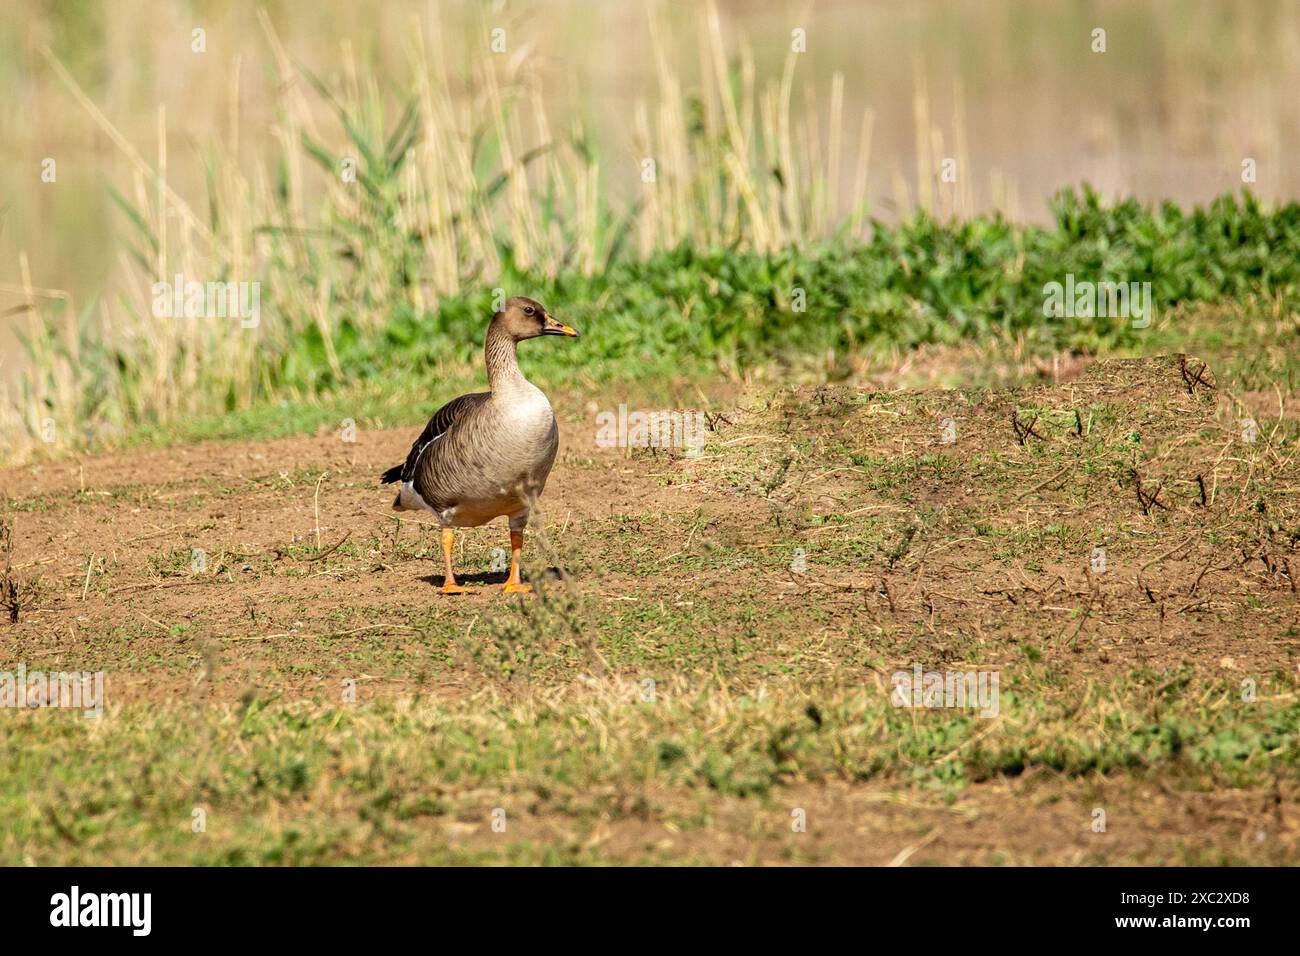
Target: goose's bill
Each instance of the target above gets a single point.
(552, 327)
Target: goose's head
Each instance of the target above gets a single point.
(525, 318)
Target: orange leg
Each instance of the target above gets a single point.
(513, 585)
(449, 585)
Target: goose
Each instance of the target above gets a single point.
(487, 454)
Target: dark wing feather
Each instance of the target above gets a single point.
(442, 420)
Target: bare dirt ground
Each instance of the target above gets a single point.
(1109, 539)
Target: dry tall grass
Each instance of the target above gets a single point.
(442, 194)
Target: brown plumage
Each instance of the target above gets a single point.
(487, 454)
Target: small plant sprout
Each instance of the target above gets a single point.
(798, 820)
(349, 690)
(14, 597)
(1249, 430)
(1098, 820)
(348, 431)
(198, 820)
(799, 561)
(1194, 377)
(49, 170)
(498, 820)
(1098, 560)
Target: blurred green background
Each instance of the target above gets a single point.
(1201, 85)
(1185, 91)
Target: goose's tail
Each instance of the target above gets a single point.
(391, 475)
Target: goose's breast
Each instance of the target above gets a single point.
(530, 417)
(528, 434)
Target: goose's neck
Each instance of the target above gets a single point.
(499, 352)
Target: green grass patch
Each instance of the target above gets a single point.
(313, 783)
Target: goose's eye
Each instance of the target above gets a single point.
(528, 310)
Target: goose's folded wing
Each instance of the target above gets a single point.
(442, 420)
